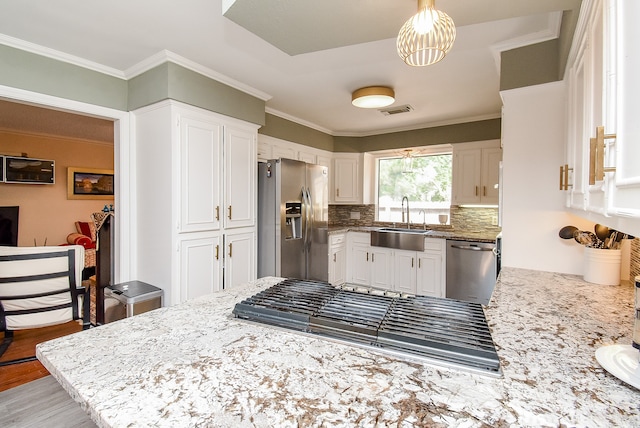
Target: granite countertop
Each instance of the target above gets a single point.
(193, 364)
(448, 233)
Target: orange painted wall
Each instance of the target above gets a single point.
(45, 211)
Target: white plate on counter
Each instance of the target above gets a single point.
(622, 361)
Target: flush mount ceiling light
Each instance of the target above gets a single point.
(427, 36)
(373, 97)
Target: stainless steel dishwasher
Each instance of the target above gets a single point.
(471, 270)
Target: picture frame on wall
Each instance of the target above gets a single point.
(89, 183)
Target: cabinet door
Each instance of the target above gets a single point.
(490, 175)
(625, 185)
(346, 180)
(337, 265)
(360, 264)
(404, 271)
(240, 177)
(200, 268)
(239, 258)
(467, 170)
(429, 281)
(307, 157)
(381, 268)
(281, 151)
(199, 176)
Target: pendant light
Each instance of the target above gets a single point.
(407, 162)
(427, 36)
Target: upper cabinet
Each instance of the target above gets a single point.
(601, 175)
(476, 169)
(240, 176)
(347, 179)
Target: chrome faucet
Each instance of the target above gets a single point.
(424, 219)
(407, 199)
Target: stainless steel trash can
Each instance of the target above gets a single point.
(130, 298)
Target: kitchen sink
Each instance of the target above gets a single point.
(399, 238)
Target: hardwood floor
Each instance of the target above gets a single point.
(24, 345)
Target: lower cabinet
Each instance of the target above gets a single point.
(369, 266)
(338, 259)
(413, 272)
(200, 264)
(239, 253)
(210, 261)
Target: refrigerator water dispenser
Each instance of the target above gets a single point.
(293, 220)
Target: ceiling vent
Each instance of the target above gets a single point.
(396, 110)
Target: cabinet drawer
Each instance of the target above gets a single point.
(433, 244)
(360, 237)
(337, 239)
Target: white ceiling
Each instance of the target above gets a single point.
(336, 46)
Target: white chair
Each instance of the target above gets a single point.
(39, 287)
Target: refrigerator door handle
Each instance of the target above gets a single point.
(310, 219)
(305, 216)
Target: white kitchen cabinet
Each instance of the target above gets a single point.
(369, 266)
(476, 169)
(431, 271)
(306, 156)
(205, 164)
(421, 272)
(240, 177)
(346, 179)
(604, 176)
(200, 151)
(240, 264)
(337, 259)
(200, 264)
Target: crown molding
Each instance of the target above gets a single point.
(554, 23)
(168, 56)
(59, 56)
(298, 120)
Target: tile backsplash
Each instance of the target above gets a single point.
(461, 218)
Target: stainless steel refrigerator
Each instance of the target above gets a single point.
(292, 220)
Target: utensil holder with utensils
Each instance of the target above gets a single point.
(602, 265)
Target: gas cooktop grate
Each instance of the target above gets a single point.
(445, 330)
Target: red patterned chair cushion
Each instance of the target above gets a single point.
(87, 228)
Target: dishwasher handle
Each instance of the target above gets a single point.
(471, 247)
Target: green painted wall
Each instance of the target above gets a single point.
(36, 73)
(284, 129)
(530, 65)
(172, 81)
(458, 133)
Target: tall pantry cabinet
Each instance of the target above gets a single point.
(195, 199)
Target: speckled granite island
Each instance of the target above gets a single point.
(195, 365)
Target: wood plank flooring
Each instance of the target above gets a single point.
(24, 345)
(41, 403)
(29, 395)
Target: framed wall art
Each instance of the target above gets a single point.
(89, 183)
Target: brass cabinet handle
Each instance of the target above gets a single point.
(338, 193)
(476, 190)
(564, 177)
(230, 248)
(229, 212)
(596, 155)
(367, 256)
(419, 263)
(372, 255)
(217, 212)
(217, 252)
(484, 190)
(334, 257)
(412, 262)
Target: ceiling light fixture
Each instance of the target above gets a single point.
(427, 36)
(373, 97)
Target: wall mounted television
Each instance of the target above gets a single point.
(28, 170)
(9, 226)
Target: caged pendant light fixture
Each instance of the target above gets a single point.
(427, 36)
